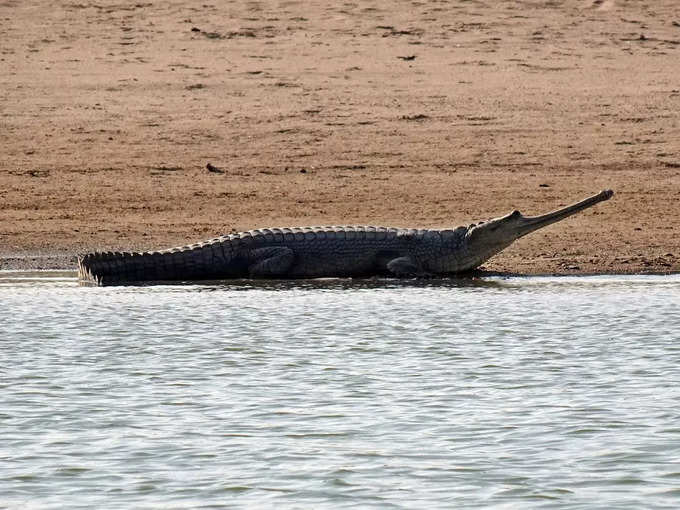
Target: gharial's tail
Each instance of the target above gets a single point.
(196, 261)
(112, 268)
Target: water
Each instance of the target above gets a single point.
(495, 393)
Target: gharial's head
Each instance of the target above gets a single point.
(490, 237)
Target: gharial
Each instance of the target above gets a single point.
(314, 252)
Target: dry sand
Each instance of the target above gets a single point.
(421, 113)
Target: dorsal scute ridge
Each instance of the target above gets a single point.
(324, 230)
(279, 234)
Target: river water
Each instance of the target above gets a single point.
(492, 393)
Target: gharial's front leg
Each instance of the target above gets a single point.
(270, 262)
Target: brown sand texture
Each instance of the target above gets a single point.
(413, 113)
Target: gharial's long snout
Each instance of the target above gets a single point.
(527, 224)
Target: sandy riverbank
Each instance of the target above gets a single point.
(403, 114)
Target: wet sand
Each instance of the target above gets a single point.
(416, 114)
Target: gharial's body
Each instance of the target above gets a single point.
(315, 252)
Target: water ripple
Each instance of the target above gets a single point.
(504, 393)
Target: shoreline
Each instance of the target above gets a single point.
(68, 262)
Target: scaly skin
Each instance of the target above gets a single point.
(315, 252)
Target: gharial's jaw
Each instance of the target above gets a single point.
(528, 224)
(496, 234)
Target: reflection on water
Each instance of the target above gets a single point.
(493, 392)
(14, 278)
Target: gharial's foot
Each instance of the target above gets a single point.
(404, 267)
